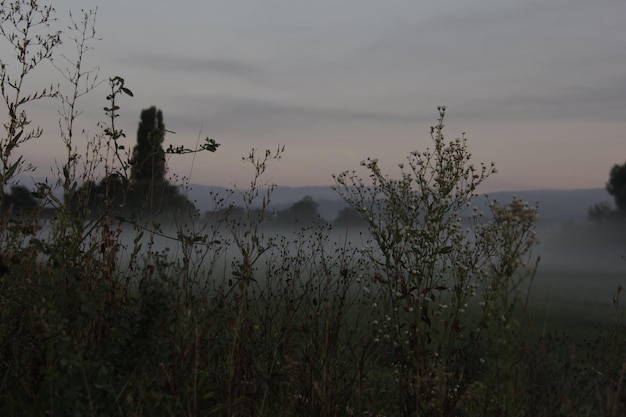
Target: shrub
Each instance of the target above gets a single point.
(434, 267)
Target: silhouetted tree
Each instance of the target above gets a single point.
(19, 201)
(601, 212)
(349, 216)
(617, 186)
(147, 193)
(148, 160)
(303, 213)
(79, 198)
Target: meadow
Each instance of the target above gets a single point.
(314, 336)
(428, 311)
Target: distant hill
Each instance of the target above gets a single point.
(554, 205)
(281, 195)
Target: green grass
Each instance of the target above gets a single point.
(580, 303)
(306, 343)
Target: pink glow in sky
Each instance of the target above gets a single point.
(539, 87)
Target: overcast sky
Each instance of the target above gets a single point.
(538, 86)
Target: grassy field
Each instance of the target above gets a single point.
(312, 330)
(580, 304)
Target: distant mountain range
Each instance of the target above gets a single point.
(554, 205)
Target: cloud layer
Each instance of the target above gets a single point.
(344, 74)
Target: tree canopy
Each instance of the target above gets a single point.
(302, 213)
(148, 160)
(19, 201)
(147, 192)
(617, 186)
(349, 216)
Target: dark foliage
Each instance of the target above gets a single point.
(148, 161)
(617, 185)
(19, 201)
(147, 193)
(302, 213)
(349, 216)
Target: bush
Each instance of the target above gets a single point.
(433, 272)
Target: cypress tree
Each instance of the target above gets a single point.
(148, 155)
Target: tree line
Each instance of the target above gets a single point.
(302, 214)
(146, 192)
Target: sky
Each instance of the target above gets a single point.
(538, 86)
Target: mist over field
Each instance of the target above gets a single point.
(579, 261)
